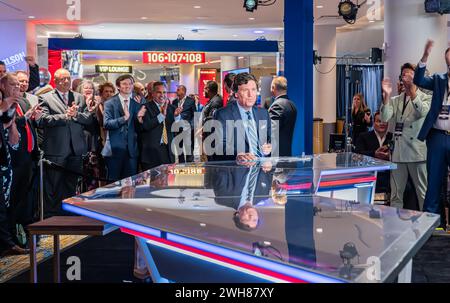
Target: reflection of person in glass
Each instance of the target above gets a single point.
(242, 188)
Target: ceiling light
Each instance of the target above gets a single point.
(250, 5)
(319, 6)
(371, 21)
(235, 35)
(348, 10)
(251, 18)
(144, 18)
(31, 17)
(258, 32)
(197, 6)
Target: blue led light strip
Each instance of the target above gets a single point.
(112, 220)
(255, 261)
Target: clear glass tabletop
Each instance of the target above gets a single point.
(252, 209)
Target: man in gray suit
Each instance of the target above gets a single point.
(64, 117)
(283, 114)
(408, 111)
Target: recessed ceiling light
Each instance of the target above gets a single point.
(31, 17)
(137, 60)
(144, 18)
(371, 21)
(259, 32)
(240, 57)
(235, 35)
(251, 18)
(202, 18)
(319, 6)
(197, 6)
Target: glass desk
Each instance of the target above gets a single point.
(269, 221)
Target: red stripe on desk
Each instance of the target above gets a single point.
(214, 256)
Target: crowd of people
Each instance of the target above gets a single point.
(418, 143)
(92, 134)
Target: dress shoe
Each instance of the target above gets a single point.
(14, 251)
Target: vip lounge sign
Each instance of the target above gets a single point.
(123, 69)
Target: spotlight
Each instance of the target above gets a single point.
(250, 5)
(348, 10)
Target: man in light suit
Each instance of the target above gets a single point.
(187, 106)
(283, 114)
(255, 128)
(435, 130)
(64, 118)
(408, 111)
(121, 147)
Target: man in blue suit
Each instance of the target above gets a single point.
(435, 129)
(252, 126)
(121, 148)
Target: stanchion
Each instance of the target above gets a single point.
(41, 187)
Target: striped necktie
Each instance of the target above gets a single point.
(252, 135)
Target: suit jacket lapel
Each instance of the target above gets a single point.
(59, 102)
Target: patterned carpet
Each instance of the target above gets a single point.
(13, 266)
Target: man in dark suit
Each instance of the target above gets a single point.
(121, 146)
(249, 138)
(187, 106)
(241, 188)
(376, 144)
(214, 103)
(64, 118)
(154, 122)
(283, 114)
(435, 130)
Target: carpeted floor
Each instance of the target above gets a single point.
(14, 265)
(109, 259)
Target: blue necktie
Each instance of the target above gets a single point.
(252, 136)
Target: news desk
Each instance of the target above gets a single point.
(307, 219)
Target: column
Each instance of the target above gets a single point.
(187, 77)
(298, 37)
(325, 81)
(406, 29)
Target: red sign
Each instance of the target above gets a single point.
(174, 57)
(205, 76)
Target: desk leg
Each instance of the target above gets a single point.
(56, 260)
(405, 275)
(151, 266)
(33, 261)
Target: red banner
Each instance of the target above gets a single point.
(173, 57)
(54, 63)
(205, 76)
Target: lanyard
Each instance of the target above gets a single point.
(405, 104)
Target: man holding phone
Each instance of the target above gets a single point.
(408, 111)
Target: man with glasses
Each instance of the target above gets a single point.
(64, 118)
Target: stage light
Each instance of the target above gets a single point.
(348, 10)
(250, 5)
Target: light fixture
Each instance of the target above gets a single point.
(250, 5)
(319, 6)
(348, 10)
(251, 18)
(144, 18)
(235, 35)
(258, 32)
(31, 17)
(197, 6)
